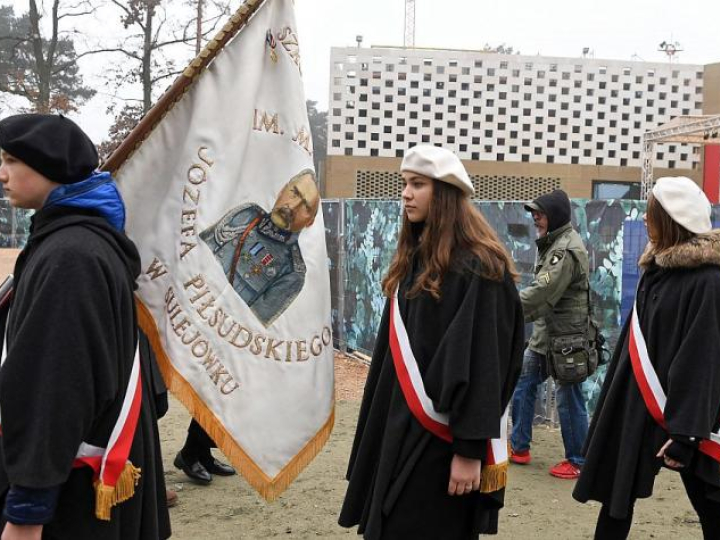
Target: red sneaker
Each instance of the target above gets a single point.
(566, 470)
(521, 458)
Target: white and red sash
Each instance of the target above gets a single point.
(417, 399)
(115, 477)
(651, 389)
(108, 463)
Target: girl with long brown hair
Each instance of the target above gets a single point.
(660, 402)
(430, 457)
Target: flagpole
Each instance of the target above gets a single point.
(148, 122)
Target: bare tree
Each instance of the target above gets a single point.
(43, 67)
(156, 39)
(199, 25)
(318, 129)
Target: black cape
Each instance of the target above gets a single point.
(679, 313)
(469, 351)
(71, 337)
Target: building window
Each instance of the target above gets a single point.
(609, 189)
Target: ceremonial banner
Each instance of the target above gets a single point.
(223, 205)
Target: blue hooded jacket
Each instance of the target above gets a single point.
(99, 192)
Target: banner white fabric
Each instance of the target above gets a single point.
(222, 203)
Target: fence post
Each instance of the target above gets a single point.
(341, 277)
(13, 226)
(551, 402)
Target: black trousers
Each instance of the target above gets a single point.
(610, 528)
(197, 444)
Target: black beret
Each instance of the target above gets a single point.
(51, 144)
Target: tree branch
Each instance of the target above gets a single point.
(77, 14)
(166, 76)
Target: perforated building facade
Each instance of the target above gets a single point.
(389, 184)
(513, 119)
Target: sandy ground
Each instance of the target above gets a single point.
(538, 506)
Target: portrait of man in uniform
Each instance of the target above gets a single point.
(259, 251)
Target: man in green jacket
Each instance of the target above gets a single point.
(557, 303)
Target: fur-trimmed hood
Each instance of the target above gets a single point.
(699, 250)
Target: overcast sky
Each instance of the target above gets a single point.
(612, 29)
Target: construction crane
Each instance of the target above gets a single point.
(409, 23)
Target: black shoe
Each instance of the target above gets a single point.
(195, 471)
(213, 466)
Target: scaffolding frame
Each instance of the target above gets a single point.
(697, 130)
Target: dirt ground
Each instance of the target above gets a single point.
(538, 506)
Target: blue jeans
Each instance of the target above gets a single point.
(570, 405)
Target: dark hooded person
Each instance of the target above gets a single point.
(660, 402)
(429, 458)
(79, 448)
(557, 303)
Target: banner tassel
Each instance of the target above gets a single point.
(108, 496)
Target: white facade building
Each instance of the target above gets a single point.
(507, 108)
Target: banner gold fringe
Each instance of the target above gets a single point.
(493, 477)
(108, 496)
(269, 488)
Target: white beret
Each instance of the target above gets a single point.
(684, 202)
(438, 163)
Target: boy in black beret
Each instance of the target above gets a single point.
(79, 449)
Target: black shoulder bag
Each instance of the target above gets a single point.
(573, 357)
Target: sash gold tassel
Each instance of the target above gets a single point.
(108, 496)
(493, 477)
